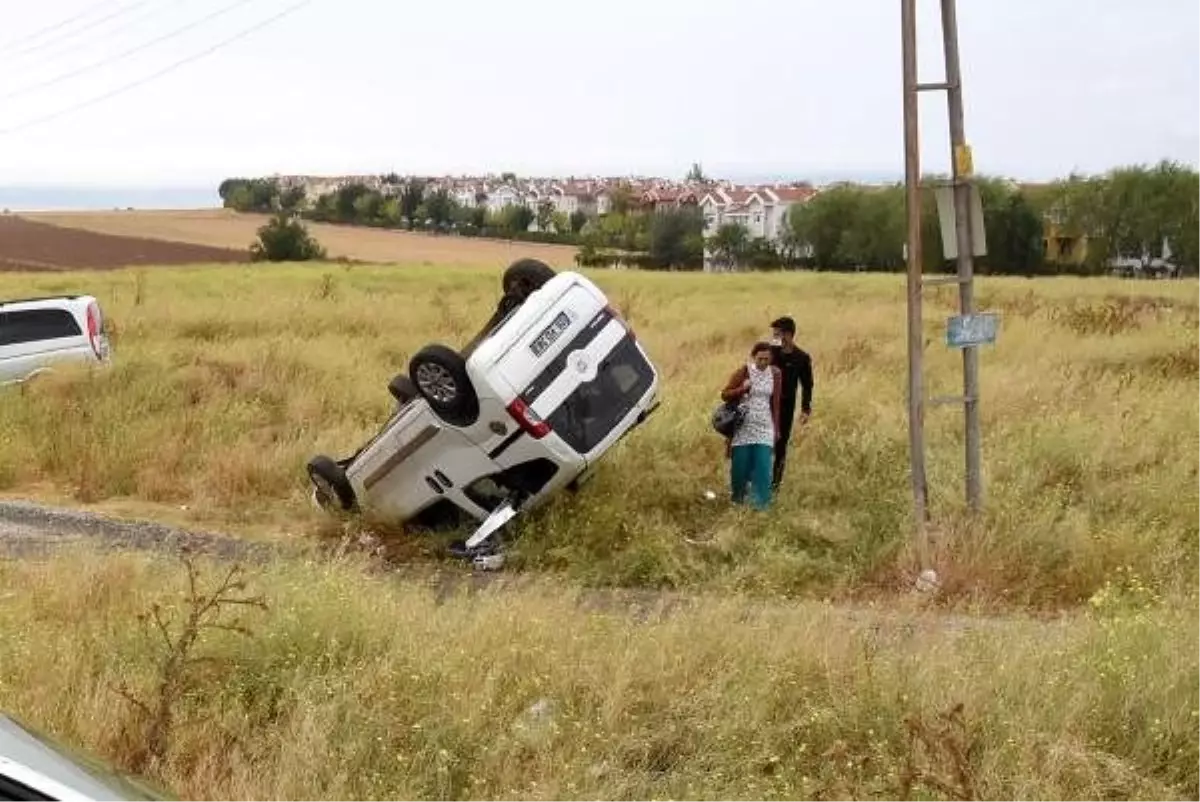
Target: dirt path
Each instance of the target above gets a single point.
(29, 530)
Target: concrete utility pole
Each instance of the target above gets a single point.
(965, 241)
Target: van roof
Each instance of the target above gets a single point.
(35, 299)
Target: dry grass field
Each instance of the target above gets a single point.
(225, 228)
(227, 379)
(353, 686)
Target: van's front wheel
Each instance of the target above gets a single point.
(329, 480)
(440, 374)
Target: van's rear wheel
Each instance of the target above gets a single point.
(440, 374)
(331, 484)
(403, 389)
(524, 276)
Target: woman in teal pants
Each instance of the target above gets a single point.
(756, 388)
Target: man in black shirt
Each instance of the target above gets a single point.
(796, 366)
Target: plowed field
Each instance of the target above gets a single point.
(225, 228)
(31, 245)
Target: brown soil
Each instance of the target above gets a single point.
(225, 228)
(33, 246)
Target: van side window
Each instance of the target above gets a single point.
(31, 325)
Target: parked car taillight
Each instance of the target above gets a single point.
(93, 325)
(528, 420)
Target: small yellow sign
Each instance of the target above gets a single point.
(964, 162)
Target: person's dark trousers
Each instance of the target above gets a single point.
(786, 413)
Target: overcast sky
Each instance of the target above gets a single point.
(748, 88)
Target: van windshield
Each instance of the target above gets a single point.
(589, 413)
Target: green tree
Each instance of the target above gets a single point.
(439, 207)
(730, 244)
(824, 223)
(545, 215)
(518, 217)
(389, 213)
(561, 222)
(285, 239)
(1014, 235)
(1131, 212)
(346, 200)
(290, 200)
(677, 238)
(578, 220)
(249, 194)
(411, 197)
(1169, 198)
(479, 216)
(873, 232)
(368, 208)
(325, 207)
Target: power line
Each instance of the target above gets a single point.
(55, 26)
(153, 76)
(94, 23)
(138, 48)
(67, 45)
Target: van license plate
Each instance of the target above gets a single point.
(550, 334)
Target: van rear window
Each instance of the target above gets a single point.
(596, 407)
(32, 325)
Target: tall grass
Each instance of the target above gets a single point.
(227, 379)
(355, 686)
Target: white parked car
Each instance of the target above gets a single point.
(549, 385)
(34, 766)
(38, 333)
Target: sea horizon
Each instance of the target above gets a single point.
(85, 198)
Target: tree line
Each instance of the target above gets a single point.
(1078, 224)
(1130, 212)
(665, 239)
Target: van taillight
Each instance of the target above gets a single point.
(528, 420)
(612, 310)
(93, 325)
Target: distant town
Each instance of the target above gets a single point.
(760, 208)
(1132, 220)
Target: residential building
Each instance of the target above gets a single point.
(503, 196)
(763, 211)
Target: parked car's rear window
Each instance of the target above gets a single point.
(590, 413)
(31, 325)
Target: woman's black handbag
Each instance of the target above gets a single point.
(727, 418)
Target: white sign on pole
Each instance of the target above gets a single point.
(945, 207)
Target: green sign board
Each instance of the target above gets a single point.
(964, 331)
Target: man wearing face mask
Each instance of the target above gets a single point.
(796, 367)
